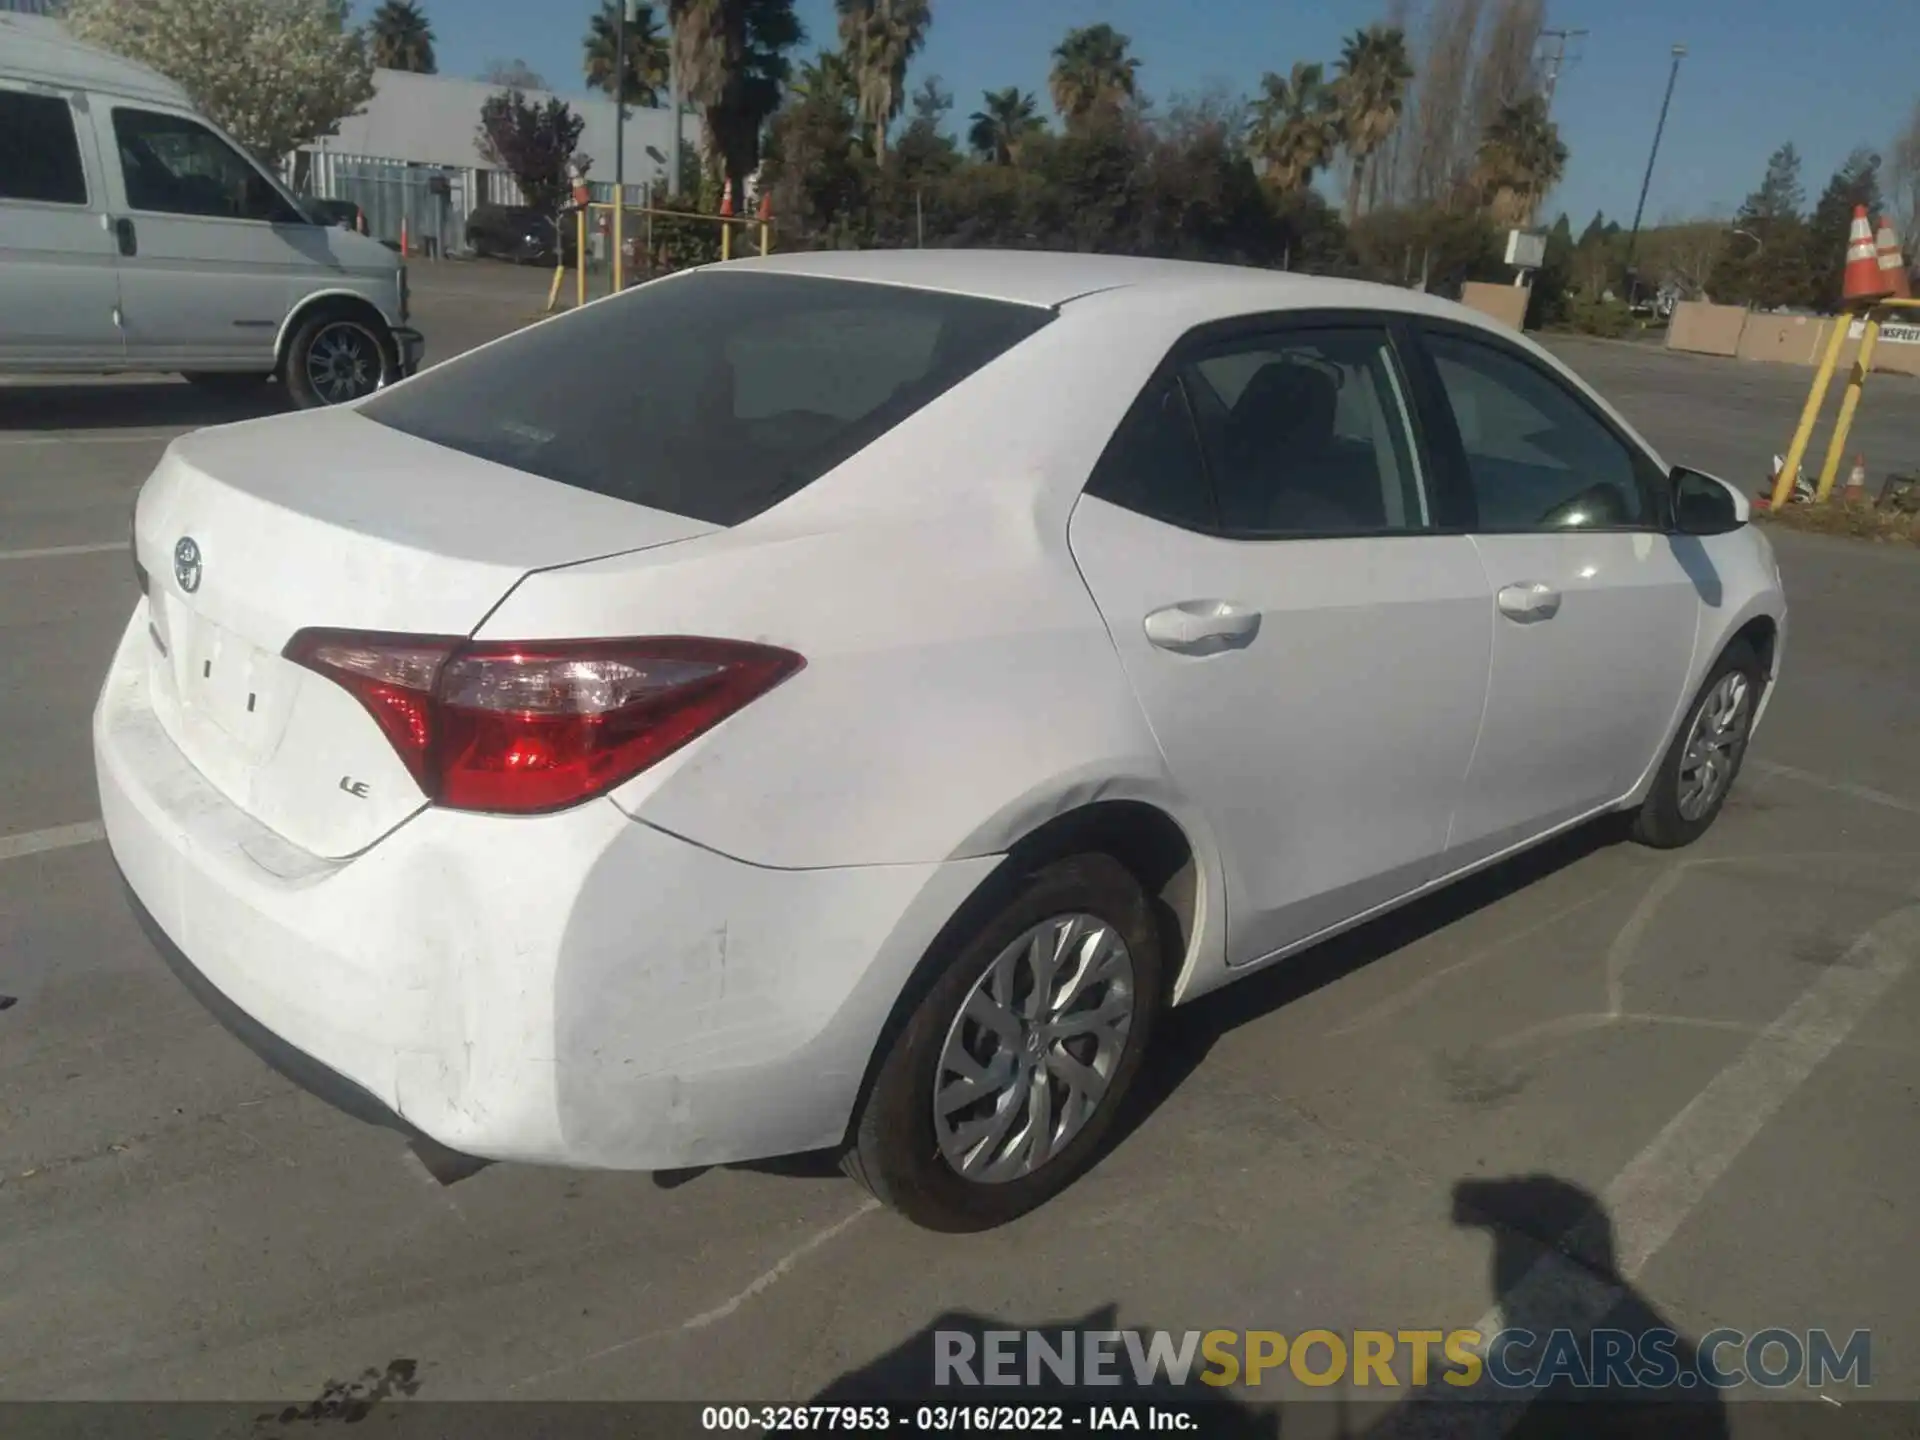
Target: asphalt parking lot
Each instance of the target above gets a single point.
(1715, 1050)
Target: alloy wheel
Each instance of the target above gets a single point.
(344, 362)
(1713, 744)
(1029, 1057)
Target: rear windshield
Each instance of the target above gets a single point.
(712, 396)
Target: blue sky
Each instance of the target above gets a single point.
(1758, 72)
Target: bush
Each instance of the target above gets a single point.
(1609, 319)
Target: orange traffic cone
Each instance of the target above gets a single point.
(1863, 281)
(1857, 478)
(726, 201)
(1893, 265)
(766, 206)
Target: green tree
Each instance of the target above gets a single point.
(1372, 89)
(1856, 182)
(1765, 264)
(1007, 120)
(649, 55)
(400, 37)
(733, 65)
(1093, 74)
(880, 39)
(274, 74)
(924, 146)
(827, 78)
(1295, 127)
(1521, 158)
(817, 168)
(533, 143)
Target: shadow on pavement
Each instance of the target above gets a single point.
(133, 405)
(1187, 1034)
(1555, 1276)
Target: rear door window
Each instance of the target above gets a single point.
(39, 150)
(713, 396)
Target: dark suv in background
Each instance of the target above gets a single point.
(517, 233)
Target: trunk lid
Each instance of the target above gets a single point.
(250, 533)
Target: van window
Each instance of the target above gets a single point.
(39, 152)
(713, 395)
(176, 166)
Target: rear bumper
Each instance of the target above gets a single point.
(574, 989)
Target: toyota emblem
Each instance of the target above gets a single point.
(186, 563)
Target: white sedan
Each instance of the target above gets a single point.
(840, 701)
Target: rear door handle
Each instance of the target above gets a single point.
(123, 232)
(1528, 601)
(1203, 627)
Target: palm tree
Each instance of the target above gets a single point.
(401, 37)
(649, 59)
(1372, 89)
(1092, 73)
(1007, 118)
(733, 64)
(827, 79)
(1521, 158)
(879, 39)
(1295, 126)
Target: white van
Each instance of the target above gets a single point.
(135, 236)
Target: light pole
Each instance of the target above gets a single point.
(620, 102)
(1633, 235)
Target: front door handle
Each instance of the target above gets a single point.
(1528, 601)
(1203, 627)
(124, 234)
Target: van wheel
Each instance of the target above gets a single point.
(1008, 1075)
(338, 356)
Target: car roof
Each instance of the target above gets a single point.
(1052, 279)
(36, 48)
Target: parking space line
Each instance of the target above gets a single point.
(56, 837)
(54, 552)
(1838, 787)
(1653, 1196)
(763, 1281)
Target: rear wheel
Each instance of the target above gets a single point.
(338, 356)
(1699, 768)
(1011, 1069)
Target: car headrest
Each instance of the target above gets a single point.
(1287, 403)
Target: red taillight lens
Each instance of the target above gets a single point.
(524, 728)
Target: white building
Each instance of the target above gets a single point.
(420, 126)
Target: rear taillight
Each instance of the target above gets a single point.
(525, 728)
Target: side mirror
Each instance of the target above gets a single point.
(1704, 504)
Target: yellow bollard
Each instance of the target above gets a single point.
(1822, 379)
(619, 248)
(1850, 402)
(764, 229)
(580, 260)
(726, 239)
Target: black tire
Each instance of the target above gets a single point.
(895, 1149)
(1661, 822)
(327, 375)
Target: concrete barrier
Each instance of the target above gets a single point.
(1788, 339)
(1505, 303)
(1703, 329)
